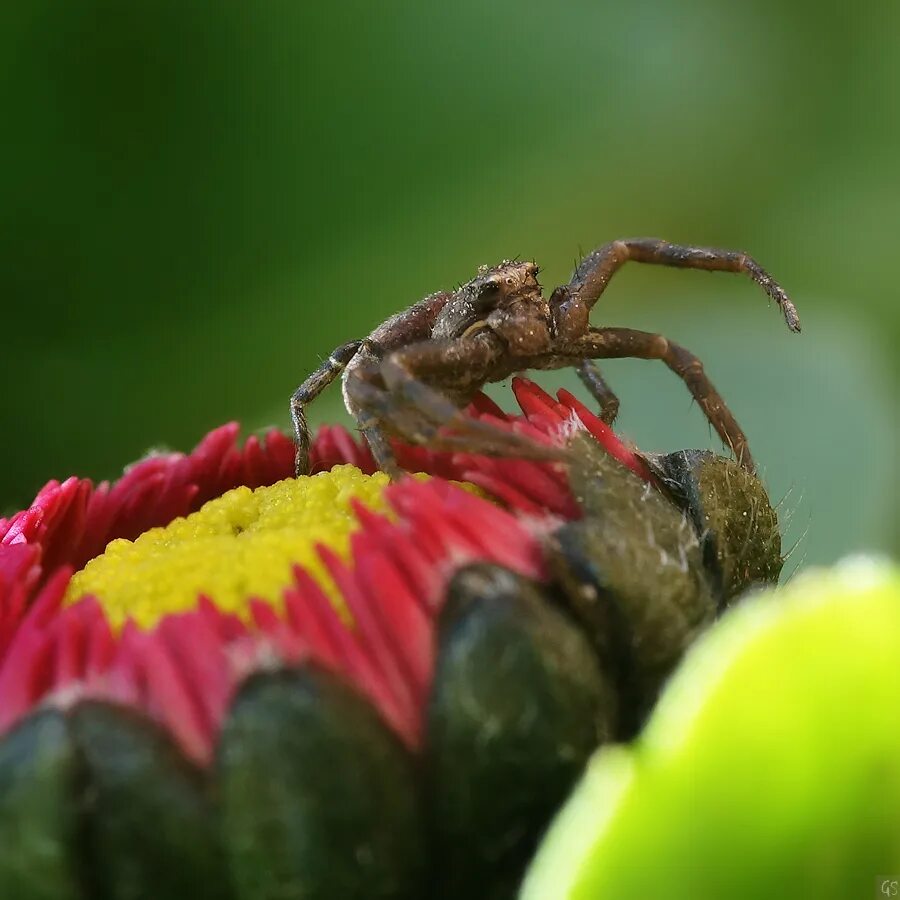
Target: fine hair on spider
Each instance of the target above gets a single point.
(414, 374)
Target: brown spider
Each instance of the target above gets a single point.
(415, 372)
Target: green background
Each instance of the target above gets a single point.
(199, 200)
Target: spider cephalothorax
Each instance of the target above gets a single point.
(506, 299)
(413, 374)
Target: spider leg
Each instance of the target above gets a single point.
(591, 378)
(380, 412)
(308, 391)
(468, 362)
(378, 409)
(374, 408)
(619, 343)
(410, 425)
(469, 435)
(378, 443)
(572, 304)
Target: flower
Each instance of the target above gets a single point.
(200, 589)
(48, 647)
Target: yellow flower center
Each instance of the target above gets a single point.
(240, 545)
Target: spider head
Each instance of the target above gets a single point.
(497, 286)
(509, 284)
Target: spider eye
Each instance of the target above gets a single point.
(485, 295)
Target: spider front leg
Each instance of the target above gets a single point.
(464, 363)
(571, 304)
(376, 409)
(620, 343)
(308, 391)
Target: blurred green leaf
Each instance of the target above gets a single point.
(771, 766)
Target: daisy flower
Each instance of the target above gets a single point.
(218, 680)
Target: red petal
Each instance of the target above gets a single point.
(605, 436)
(170, 699)
(537, 403)
(371, 634)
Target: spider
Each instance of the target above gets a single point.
(414, 374)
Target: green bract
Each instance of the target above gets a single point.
(770, 767)
(317, 797)
(520, 702)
